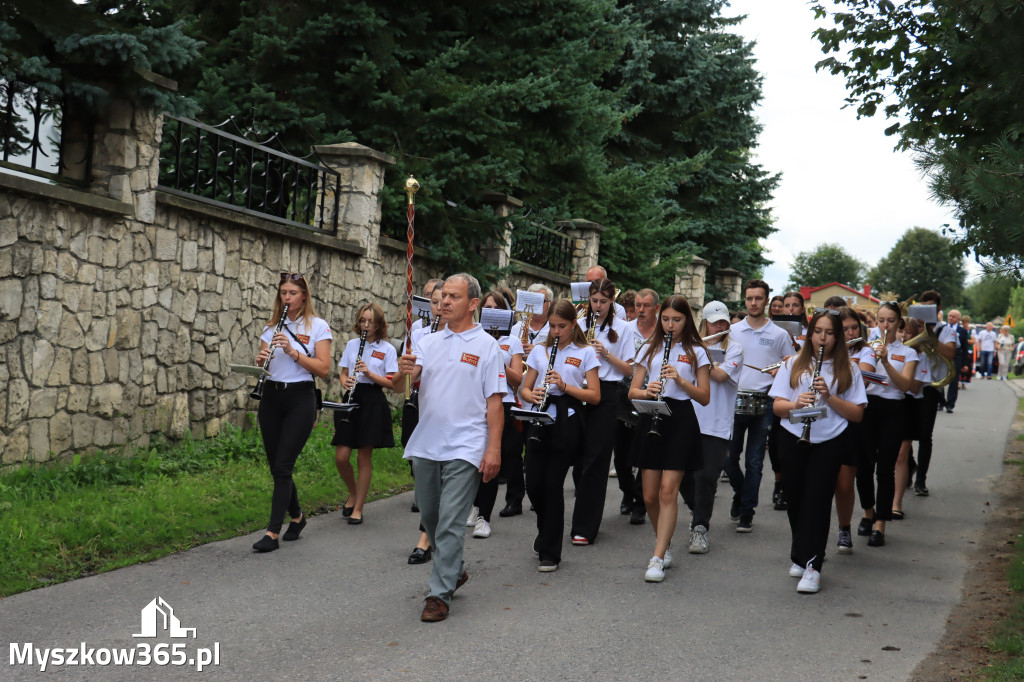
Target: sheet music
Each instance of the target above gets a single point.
(498, 320)
(580, 291)
(530, 302)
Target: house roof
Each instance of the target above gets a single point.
(811, 290)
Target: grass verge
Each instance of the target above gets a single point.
(109, 510)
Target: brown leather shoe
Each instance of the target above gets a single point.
(434, 610)
(462, 580)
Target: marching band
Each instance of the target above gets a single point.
(667, 407)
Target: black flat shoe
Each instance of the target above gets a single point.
(294, 529)
(864, 527)
(420, 556)
(414, 509)
(877, 539)
(920, 490)
(266, 544)
(898, 515)
(353, 521)
(347, 511)
(511, 510)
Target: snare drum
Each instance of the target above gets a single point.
(752, 402)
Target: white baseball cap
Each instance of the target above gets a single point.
(715, 311)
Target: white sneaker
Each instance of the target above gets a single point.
(655, 570)
(699, 540)
(473, 514)
(612, 473)
(796, 571)
(811, 582)
(667, 561)
(481, 529)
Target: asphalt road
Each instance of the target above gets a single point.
(342, 603)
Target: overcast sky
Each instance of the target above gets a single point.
(841, 180)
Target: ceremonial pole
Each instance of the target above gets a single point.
(411, 186)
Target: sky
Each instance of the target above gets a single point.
(841, 180)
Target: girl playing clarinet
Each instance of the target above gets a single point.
(288, 406)
(679, 367)
(557, 368)
(367, 366)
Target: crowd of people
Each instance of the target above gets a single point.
(630, 384)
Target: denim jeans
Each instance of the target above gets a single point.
(985, 362)
(746, 483)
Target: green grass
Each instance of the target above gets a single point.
(109, 510)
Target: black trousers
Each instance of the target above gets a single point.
(630, 485)
(929, 405)
(511, 468)
(884, 423)
(590, 471)
(699, 487)
(774, 458)
(547, 463)
(286, 419)
(810, 474)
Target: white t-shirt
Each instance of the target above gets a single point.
(833, 424)
(1004, 341)
(622, 348)
(638, 338)
(761, 348)
(380, 358)
(864, 355)
(460, 372)
(572, 364)
(899, 355)
(509, 345)
(620, 311)
(534, 337)
(947, 333)
(282, 367)
(923, 374)
(987, 339)
(716, 417)
(678, 358)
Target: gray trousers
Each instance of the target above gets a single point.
(444, 494)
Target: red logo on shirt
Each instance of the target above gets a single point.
(379, 354)
(505, 347)
(575, 362)
(304, 338)
(471, 359)
(899, 358)
(683, 358)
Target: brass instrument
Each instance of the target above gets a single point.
(926, 342)
(656, 419)
(591, 327)
(805, 437)
(257, 393)
(347, 398)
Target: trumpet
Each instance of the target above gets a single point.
(656, 419)
(257, 393)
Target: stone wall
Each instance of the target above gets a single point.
(122, 305)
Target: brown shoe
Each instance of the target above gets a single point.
(434, 610)
(463, 579)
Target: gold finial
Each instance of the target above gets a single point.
(411, 187)
(889, 297)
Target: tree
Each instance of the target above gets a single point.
(948, 73)
(919, 261)
(989, 297)
(825, 264)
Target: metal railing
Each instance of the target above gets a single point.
(544, 248)
(32, 139)
(216, 167)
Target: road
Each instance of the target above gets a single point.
(342, 603)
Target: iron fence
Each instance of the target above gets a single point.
(544, 248)
(214, 166)
(33, 139)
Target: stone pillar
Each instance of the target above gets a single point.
(691, 281)
(586, 245)
(730, 283)
(362, 176)
(499, 254)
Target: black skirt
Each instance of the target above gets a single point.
(678, 448)
(370, 424)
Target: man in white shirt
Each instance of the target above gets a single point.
(462, 382)
(987, 341)
(764, 344)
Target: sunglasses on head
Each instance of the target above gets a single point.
(822, 311)
(293, 276)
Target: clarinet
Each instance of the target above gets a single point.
(656, 419)
(543, 406)
(805, 437)
(359, 356)
(257, 393)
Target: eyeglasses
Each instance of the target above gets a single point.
(830, 311)
(293, 276)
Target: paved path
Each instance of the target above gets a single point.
(342, 603)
